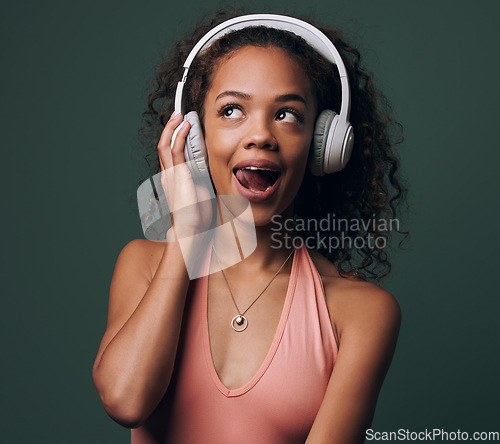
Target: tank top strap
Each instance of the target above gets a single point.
(309, 310)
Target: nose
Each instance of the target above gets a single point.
(260, 134)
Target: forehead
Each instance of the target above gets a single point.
(256, 69)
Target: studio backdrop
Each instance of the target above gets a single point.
(75, 76)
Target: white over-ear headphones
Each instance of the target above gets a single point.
(333, 136)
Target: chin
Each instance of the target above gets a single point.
(264, 217)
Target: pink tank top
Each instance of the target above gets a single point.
(279, 404)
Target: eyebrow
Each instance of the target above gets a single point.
(238, 94)
(282, 98)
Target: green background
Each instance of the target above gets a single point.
(75, 75)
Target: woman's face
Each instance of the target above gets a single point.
(259, 116)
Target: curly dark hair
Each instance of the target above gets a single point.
(362, 201)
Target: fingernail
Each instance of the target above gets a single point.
(185, 124)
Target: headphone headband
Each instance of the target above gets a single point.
(313, 36)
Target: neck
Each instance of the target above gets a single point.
(274, 244)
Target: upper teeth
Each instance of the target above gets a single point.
(255, 168)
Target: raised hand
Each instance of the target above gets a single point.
(188, 200)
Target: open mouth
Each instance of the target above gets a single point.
(256, 179)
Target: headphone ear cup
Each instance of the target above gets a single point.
(325, 125)
(194, 148)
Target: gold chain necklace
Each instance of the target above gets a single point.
(240, 322)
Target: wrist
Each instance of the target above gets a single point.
(171, 235)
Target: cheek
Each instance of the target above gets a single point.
(300, 156)
(220, 148)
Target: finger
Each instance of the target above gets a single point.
(164, 143)
(165, 157)
(168, 131)
(180, 140)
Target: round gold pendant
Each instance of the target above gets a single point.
(239, 323)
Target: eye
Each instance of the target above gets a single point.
(289, 115)
(231, 112)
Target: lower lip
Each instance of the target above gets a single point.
(256, 196)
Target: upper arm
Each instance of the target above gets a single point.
(368, 321)
(130, 281)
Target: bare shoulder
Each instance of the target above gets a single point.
(141, 254)
(131, 278)
(356, 303)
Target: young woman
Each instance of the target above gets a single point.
(287, 345)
